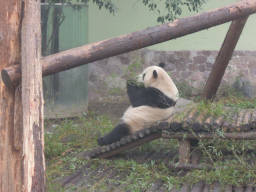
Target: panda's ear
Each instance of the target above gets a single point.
(161, 65)
(155, 75)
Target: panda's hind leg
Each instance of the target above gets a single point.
(121, 130)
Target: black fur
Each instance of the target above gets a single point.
(139, 95)
(120, 131)
(161, 65)
(155, 75)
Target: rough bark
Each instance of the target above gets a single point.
(225, 54)
(32, 101)
(150, 36)
(10, 158)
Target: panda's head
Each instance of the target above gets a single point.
(158, 78)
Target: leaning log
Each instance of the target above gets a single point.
(223, 58)
(150, 36)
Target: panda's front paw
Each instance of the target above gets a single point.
(100, 141)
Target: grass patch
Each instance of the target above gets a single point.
(66, 139)
(210, 109)
(238, 102)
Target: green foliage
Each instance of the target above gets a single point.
(53, 147)
(66, 140)
(231, 161)
(239, 102)
(172, 7)
(132, 69)
(185, 90)
(231, 97)
(107, 4)
(211, 109)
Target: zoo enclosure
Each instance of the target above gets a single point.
(31, 72)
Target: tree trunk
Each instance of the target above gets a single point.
(32, 100)
(10, 156)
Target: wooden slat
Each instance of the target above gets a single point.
(184, 151)
(228, 188)
(249, 189)
(206, 188)
(246, 118)
(195, 157)
(185, 188)
(253, 117)
(127, 146)
(238, 189)
(240, 135)
(198, 187)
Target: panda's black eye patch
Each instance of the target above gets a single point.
(144, 74)
(155, 74)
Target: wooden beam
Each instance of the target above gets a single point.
(238, 136)
(131, 145)
(150, 36)
(222, 60)
(184, 151)
(32, 99)
(10, 156)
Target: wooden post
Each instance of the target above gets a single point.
(184, 151)
(150, 36)
(225, 54)
(10, 156)
(32, 100)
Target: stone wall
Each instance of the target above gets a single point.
(107, 77)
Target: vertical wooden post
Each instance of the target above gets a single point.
(32, 101)
(184, 151)
(10, 156)
(223, 58)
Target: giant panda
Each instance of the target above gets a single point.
(152, 95)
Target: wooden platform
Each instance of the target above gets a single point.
(188, 121)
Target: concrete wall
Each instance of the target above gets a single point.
(107, 78)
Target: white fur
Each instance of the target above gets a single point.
(143, 116)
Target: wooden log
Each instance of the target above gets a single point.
(10, 156)
(184, 151)
(32, 99)
(185, 188)
(195, 157)
(127, 146)
(198, 187)
(225, 54)
(150, 36)
(249, 189)
(239, 136)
